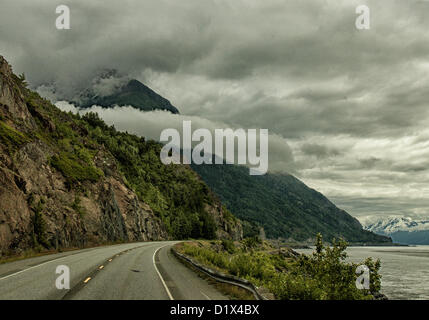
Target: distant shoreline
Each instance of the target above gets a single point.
(378, 245)
(309, 246)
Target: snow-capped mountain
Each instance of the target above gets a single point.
(401, 229)
(394, 224)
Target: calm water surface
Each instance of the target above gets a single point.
(404, 270)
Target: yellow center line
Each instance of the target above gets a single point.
(100, 267)
(110, 260)
(87, 279)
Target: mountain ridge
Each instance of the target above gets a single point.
(283, 205)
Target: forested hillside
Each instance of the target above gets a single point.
(284, 206)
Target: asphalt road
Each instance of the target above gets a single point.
(135, 271)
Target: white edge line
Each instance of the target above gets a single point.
(159, 274)
(59, 258)
(208, 298)
(39, 265)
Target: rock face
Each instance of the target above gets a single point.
(228, 227)
(107, 212)
(11, 100)
(37, 205)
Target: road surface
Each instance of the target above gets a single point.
(134, 271)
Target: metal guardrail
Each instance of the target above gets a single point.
(222, 277)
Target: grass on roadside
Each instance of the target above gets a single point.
(324, 275)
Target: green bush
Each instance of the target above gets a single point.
(295, 287)
(228, 246)
(207, 257)
(254, 266)
(336, 278)
(39, 226)
(73, 170)
(76, 206)
(252, 242)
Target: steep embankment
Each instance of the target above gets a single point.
(282, 205)
(70, 181)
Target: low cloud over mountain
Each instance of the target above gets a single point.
(350, 106)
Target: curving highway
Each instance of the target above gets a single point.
(133, 271)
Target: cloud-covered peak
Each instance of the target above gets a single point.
(350, 104)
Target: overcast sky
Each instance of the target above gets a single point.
(347, 109)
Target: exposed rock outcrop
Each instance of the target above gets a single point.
(106, 211)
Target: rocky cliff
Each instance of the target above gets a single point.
(59, 187)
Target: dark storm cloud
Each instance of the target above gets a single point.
(366, 208)
(369, 162)
(346, 108)
(319, 151)
(128, 35)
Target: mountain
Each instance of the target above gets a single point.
(401, 229)
(71, 181)
(283, 205)
(108, 90)
(279, 203)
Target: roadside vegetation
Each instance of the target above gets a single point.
(324, 275)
